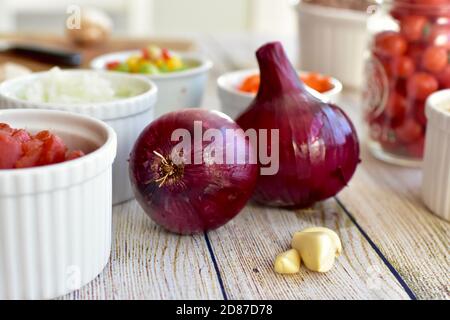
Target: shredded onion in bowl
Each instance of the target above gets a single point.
(60, 87)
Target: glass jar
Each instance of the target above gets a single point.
(407, 61)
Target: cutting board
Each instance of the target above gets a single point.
(112, 45)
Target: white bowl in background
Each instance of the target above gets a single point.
(176, 90)
(127, 116)
(436, 169)
(233, 101)
(333, 41)
(55, 220)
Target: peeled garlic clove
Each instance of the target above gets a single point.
(287, 262)
(330, 232)
(317, 250)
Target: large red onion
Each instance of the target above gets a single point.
(180, 195)
(318, 145)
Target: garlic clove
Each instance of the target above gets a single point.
(287, 262)
(330, 232)
(317, 250)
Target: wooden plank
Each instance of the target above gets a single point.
(246, 247)
(150, 263)
(114, 44)
(385, 200)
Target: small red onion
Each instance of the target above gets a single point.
(184, 195)
(318, 145)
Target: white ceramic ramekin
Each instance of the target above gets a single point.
(233, 101)
(127, 116)
(333, 41)
(436, 164)
(176, 90)
(55, 221)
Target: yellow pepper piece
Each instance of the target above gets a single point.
(133, 64)
(174, 63)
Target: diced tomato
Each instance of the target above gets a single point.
(112, 65)
(10, 151)
(74, 155)
(53, 150)
(21, 135)
(166, 54)
(30, 159)
(6, 129)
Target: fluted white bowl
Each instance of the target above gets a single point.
(127, 116)
(55, 220)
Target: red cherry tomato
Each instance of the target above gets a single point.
(10, 151)
(390, 43)
(416, 148)
(435, 59)
(395, 106)
(409, 131)
(402, 67)
(439, 35)
(420, 85)
(419, 111)
(413, 27)
(415, 52)
(444, 78)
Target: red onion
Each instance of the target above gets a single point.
(182, 189)
(318, 145)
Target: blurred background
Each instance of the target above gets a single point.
(139, 18)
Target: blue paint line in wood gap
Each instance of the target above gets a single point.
(216, 266)
(379, 253)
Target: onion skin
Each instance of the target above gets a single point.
(319, 149)
(202, 196)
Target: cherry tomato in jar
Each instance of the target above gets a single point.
(416, 148)
(402, 67)
(415, 52)
(444, 78)
(413, 28)
(390, 43)
(409, 131)
(395, 106)
(419, 112)
(421, 84)
(435, 59)
(439, 35)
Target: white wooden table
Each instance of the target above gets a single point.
(394, 248)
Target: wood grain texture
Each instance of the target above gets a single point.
(150, 263)
(246, 248)
(385, 200)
